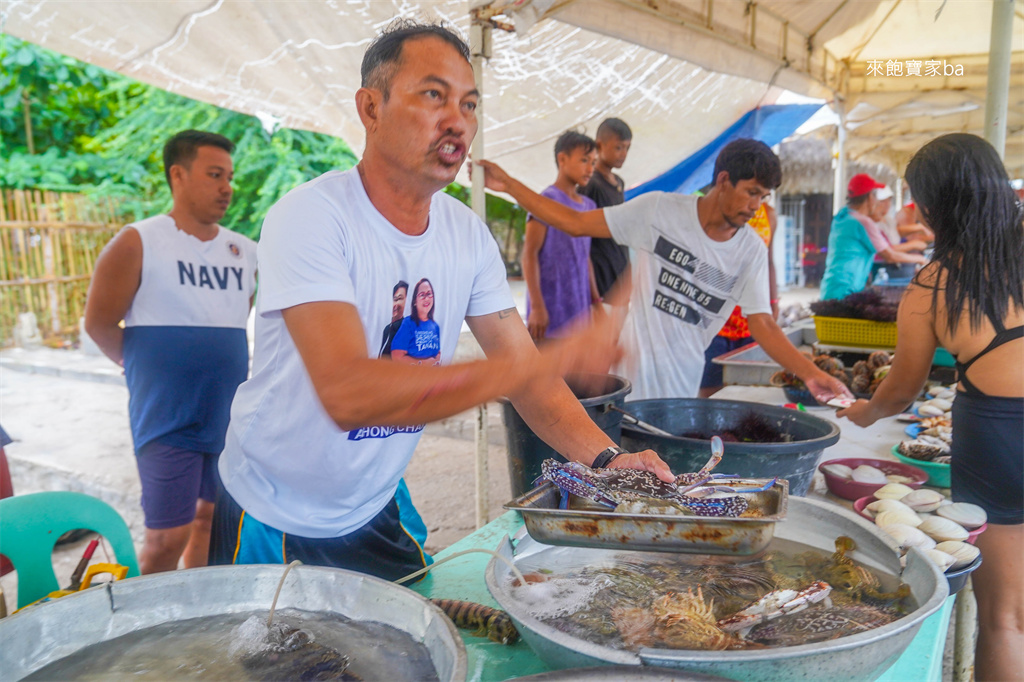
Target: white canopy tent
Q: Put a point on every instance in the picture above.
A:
(679, 71)
(904, 71)
(298, 62)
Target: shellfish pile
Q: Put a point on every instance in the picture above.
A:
(928, 520)
(863, 379)
(933, 442)
(865, 473)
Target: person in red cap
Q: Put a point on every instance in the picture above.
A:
(855, 239)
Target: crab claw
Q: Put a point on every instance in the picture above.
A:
(689, 481)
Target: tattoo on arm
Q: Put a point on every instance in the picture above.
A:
(502, 314)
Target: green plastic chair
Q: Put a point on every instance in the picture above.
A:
(31, 524)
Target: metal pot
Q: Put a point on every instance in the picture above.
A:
(863, 656)
(43, 634)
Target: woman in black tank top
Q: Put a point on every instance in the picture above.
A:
(972, 295)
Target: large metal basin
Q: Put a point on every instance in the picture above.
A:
(858, 657)
(40, 635)
(794, 461)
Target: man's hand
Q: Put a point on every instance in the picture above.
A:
(537, 322)
(589, 349)
(825, 387)
(495, 178)
(647, 460)
(860, 413)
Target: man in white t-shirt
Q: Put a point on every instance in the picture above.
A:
(321, 434)
(695, 261)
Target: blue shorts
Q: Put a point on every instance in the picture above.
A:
(382, 547)
(173, 480)
(713, 373)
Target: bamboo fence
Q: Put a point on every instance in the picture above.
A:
(49, 243)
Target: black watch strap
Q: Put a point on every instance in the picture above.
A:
(606, 457)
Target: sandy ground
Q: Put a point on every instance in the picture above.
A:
(72, 434)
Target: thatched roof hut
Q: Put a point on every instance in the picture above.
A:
(807, 164)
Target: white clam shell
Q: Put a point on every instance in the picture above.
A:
(868, 474)
(941, 559)
(968, 515)
(963, 553)
(887, 518)
(893, 491)
(898, 478)
(923, 500)
(943, 392)
(908, 536)
(941, 529)
(840, 470)
(927, 410)
(879, 506)
(941, 403)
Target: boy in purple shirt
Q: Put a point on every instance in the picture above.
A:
(559, 277)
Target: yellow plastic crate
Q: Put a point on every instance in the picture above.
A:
(844, 331)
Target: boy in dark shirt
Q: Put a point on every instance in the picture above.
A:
(610, 260)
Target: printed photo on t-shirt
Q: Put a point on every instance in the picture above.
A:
(418, 338)
(398, 296)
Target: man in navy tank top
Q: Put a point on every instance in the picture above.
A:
(183, 285)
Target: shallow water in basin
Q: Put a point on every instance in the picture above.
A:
(631, 600)
(236, 647)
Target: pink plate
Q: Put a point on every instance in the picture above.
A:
(852, 490)
(863, 502)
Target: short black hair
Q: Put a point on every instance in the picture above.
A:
(616, 127)
(402, 284)
(381, 60)
(181, 149)
(570, 141)
(746, 158)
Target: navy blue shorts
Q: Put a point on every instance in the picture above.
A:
(382, 547)
(173, 480)
(713, 373)
(988, 455)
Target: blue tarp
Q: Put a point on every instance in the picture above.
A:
(770, 124)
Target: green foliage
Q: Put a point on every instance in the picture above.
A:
(101, 133)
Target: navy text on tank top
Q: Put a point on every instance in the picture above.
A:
(185, 346)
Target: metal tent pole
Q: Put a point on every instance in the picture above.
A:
(998, 88)
(480, 49)
(839, 192)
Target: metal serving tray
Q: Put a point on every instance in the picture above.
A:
(750, 365)
(585, 524)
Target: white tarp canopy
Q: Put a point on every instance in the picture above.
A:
(679, 71)
(865, 52)
(299, 61)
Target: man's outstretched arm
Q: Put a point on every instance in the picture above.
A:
(547, 405)
(570, 221)
(766, 332)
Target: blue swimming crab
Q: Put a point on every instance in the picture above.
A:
(635, 491)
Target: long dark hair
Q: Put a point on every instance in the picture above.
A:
(416, 295)
(964, 195)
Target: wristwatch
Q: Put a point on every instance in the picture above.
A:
(606, 457)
